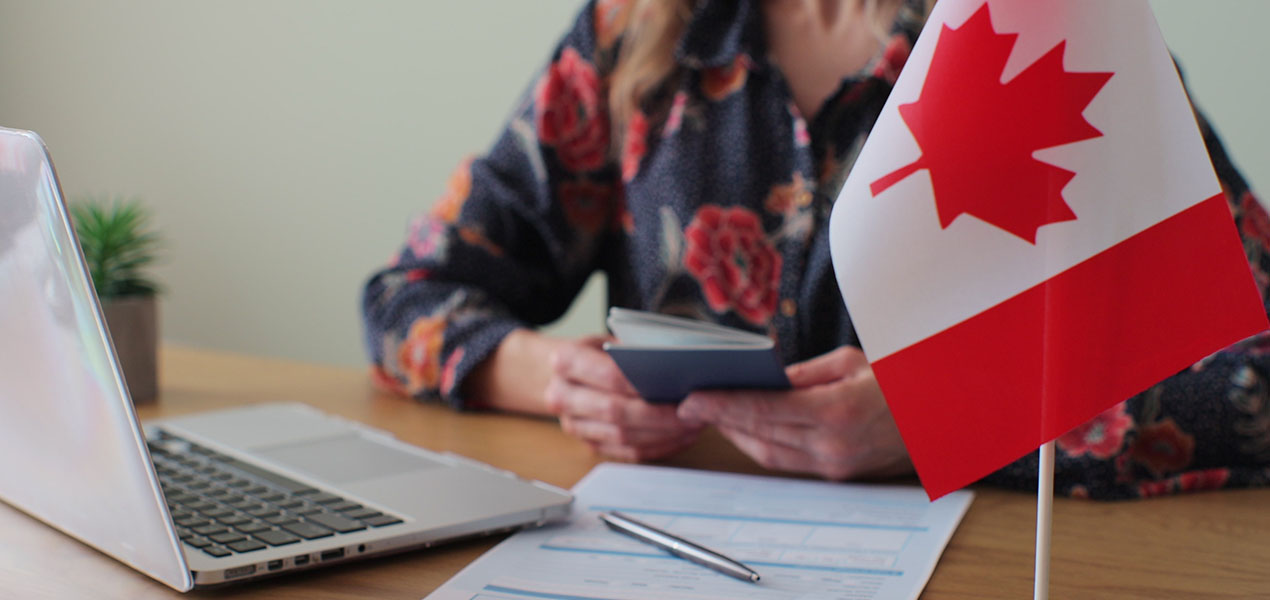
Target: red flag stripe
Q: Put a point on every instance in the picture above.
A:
(1092, 335)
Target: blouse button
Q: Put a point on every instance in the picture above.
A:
(788, 307)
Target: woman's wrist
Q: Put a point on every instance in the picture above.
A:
(514, 376)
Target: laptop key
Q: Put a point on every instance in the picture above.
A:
(362, 513)
(197, 449)
(209, 529)
(246, 545)
(217, 551)
(282, 519)
(179, 497)
(264, 511)
(226, 537)
(276, 537)
(323, 498)
(245, 505)
(381, 521)
(198, 542)
(191, 522)
(200, 506)
(336, 522)
(218, 512)
(253, 527)
(234, 520)
(342, 506)
(307, 531)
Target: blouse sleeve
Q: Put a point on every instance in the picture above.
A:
(512, 239)
(1207, 427)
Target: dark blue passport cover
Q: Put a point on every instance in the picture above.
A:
(665, 375)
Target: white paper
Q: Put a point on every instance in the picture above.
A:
(808, 539)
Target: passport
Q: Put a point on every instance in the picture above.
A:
(667, 357)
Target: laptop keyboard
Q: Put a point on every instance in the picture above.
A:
(222, 505)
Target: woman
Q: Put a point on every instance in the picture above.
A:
(692, 151)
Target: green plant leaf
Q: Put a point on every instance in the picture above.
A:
(118, 244)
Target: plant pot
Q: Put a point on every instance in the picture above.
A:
(134, 329)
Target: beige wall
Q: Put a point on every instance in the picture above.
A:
(284, 144)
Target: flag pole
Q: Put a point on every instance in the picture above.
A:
(1044, 520)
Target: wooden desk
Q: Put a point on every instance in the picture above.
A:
(1213, 545)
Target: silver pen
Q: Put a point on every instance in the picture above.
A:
(678, 546)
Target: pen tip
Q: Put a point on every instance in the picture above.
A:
(753, 577)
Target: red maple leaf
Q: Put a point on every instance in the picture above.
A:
(977, 134)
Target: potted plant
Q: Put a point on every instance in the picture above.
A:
(118, 246)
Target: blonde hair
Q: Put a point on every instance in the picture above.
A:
(646, 60)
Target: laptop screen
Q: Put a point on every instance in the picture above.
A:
(74, 454)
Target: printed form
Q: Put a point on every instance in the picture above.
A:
(808, 539)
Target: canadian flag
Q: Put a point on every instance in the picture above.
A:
(1033, 231)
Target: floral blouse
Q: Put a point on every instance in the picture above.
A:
(716, 206)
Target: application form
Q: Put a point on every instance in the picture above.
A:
(808, 539)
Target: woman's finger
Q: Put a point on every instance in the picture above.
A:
(569, 398)
(587, 364)
(748, 409)
(770, 455)
(827, 367)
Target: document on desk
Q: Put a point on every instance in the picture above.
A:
(808, 539)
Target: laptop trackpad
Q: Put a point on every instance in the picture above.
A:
(345, 459)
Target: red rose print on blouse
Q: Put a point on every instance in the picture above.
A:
(1208, 479)
(731, 258)
(1151, 489)
(448, 373)
(893, 58)
(623, 220)
(569, 113)
(1101, 437)
(1255, 223)
(426, 237)
(586, 205)
(634, 144)
(1162, 447)
(719, 82)
(420, 354)
(675, 118)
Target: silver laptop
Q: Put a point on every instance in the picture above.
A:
(207, 499)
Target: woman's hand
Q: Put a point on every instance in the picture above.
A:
(834, 422)
(596, 403)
